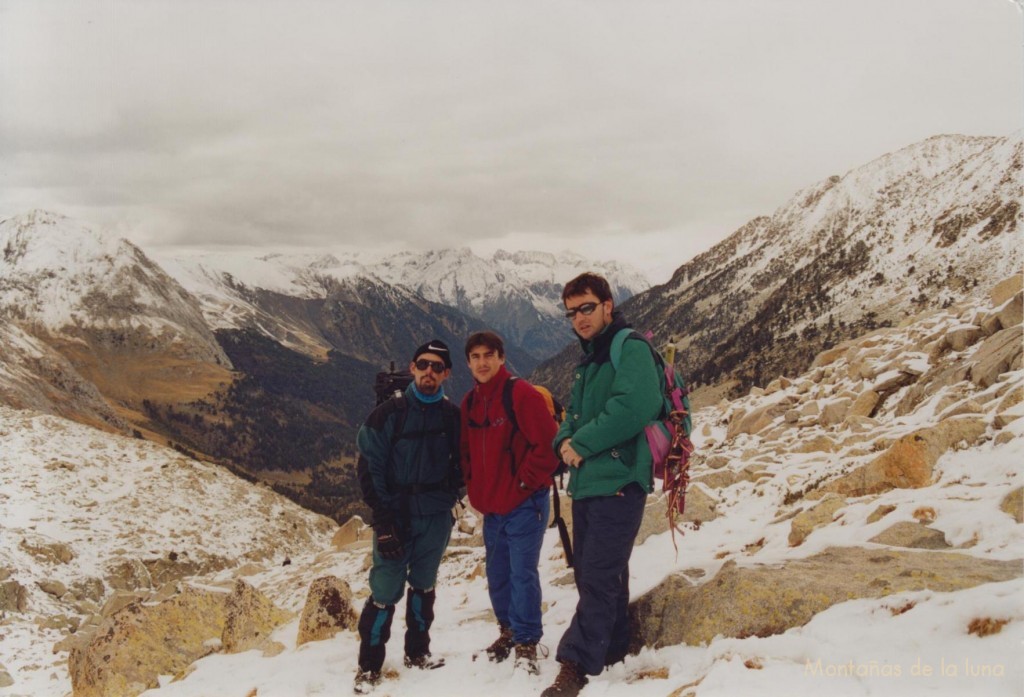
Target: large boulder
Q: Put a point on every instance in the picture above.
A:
(764, 600)
(909, 462)
(996, 355)
(808, 521)
(13, 597)
(353, 530)
(249, 618)
(131, 648)
(328, 610)
(756, 420)
(911, 535)
(700, 508)
(1013, 504)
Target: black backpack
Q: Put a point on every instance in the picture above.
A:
(391, 383)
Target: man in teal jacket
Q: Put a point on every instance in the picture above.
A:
(409, 475)
(602, 441)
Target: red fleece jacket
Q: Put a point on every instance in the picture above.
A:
(495, 456)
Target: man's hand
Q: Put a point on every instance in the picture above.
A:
(389, 544)
(570, 456)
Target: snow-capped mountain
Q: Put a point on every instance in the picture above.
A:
(914, 229)
(517, 294)
(67, 280)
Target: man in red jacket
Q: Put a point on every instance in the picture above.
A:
(507, 463)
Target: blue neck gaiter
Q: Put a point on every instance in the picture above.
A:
(428, 399)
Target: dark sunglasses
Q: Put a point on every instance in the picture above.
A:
(436, 366)
(584, 309)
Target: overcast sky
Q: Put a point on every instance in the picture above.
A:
(602, 127)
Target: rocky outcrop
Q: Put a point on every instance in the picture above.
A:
(328, 610)
(765, 600)
(909, 462)
(249, 618)
(139, 643)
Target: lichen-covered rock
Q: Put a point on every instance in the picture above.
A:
(328, 610)
(140, 642)
(249, 618)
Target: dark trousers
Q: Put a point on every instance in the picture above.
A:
(424, 544)
(604, 530)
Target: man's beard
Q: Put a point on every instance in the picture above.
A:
(428, 388)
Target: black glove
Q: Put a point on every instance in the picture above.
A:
(389, 544)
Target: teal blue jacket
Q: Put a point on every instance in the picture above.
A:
(607, 412)
(409, 458)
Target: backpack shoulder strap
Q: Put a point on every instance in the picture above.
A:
(400, 407)
(506, 401)
(617, 341)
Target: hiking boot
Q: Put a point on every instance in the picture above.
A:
(526, 658)
(423, 661)
(568, 683)
(502, 646)
(366, 680)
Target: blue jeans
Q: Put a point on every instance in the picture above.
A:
(604, 530)
(513, 542)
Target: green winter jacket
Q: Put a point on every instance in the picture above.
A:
(607, 412)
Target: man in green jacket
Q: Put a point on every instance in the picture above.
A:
(602, 441)
(409, 476)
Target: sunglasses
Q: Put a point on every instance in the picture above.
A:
(436, 366)
(585, 309)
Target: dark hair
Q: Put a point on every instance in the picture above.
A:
(587, 281)
(488, 339)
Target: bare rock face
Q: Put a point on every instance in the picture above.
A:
(765, 600)
(250, 617)
(328, 610)
(139, 643)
